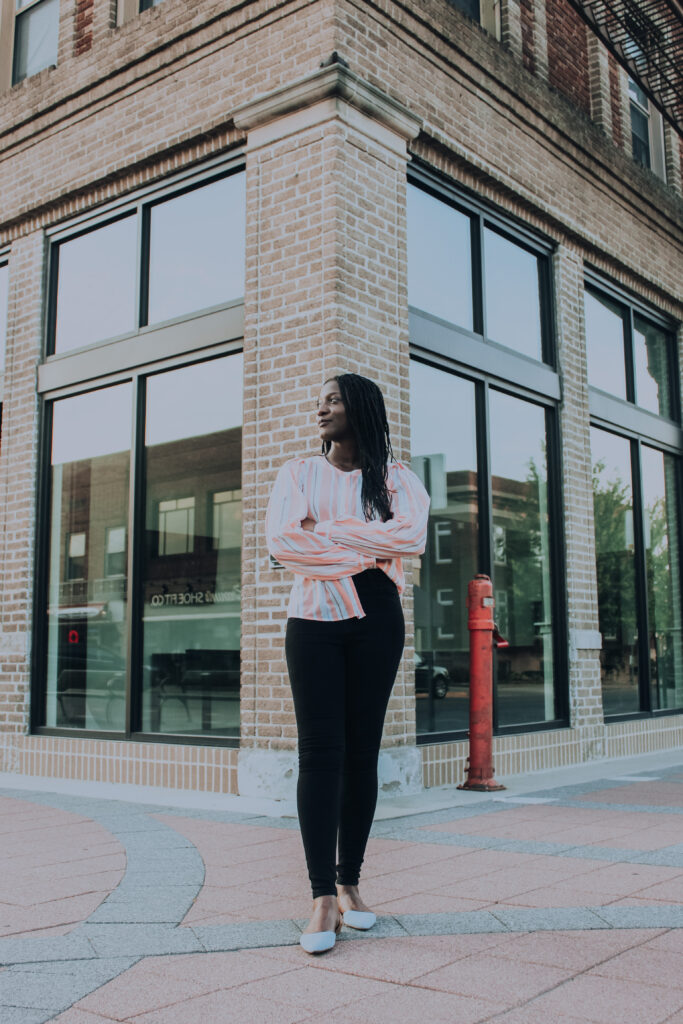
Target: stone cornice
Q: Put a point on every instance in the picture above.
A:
(335, 81)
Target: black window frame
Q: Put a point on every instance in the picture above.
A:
(17, 15)
(625, 419)
(139, 207)
(134, 357)
(470, 355)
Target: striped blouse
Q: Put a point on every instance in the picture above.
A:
(343, 542)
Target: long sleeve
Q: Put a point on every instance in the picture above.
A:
(404, 535)
(303, 551)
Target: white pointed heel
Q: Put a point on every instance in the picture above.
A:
(319, 942)
(359, 919)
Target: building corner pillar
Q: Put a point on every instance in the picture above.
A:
(326, 292)
(585, 688)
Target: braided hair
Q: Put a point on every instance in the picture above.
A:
(367, 417)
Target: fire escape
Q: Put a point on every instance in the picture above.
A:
(646, 38)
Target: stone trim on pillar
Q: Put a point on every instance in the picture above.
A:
(585, 690)
(326, 290)
(272, 117)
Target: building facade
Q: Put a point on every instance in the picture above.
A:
(208, 209)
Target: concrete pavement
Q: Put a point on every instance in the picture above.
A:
(557, 900)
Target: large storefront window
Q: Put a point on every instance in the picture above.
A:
(637, 502)
(510, 503)
(160, 261)
(157, 652)
(86, 609)
(193, 539)
(483, 442)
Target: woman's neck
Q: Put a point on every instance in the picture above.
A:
(343, 455)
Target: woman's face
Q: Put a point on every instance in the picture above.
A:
(331, 414)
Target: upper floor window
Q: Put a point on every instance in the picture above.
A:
(486, 12)
(36, 33)
(146, 4)
(161, 260)
(629, 356)
(647, 137)
(465, 269)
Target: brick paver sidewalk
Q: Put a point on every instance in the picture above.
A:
(560, 905)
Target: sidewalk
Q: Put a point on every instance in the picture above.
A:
(558, 901)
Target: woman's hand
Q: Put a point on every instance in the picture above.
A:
(308, 524)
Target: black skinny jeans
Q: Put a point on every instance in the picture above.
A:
(341, 675)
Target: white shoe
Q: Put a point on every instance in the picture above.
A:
(360, 919)
(319, 942)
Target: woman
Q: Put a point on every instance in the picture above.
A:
(341, 521)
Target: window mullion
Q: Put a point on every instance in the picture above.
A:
(629, 356)
(135, 530)
(642, 626)
(478, 277)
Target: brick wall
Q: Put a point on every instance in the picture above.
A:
(567, 53)
(83, 28)
(18, 477)
(618, 126)
(528, 43)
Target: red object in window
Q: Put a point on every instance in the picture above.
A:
(74, 638)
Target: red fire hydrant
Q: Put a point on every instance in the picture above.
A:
(482, 629)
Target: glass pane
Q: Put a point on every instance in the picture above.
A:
(146, 4)
(4, 287)
(193, 543)
(96, 285)
(605, 345)
(86, 661)
(197, 249)
(522, 578)
(640, 136)
(35, 39)
(513, 305)
(444, 457)
(439, 259)
(651, 354)
(613, 506)
(661, 521)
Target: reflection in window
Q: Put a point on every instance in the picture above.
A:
(36, 33)
(444, 457)
(115, 551)
(605, 345)
(191, 602)
(146, 4)
(614, 543)
(75, 557)
(4, 289)
(176, 526)
(652, 368)
(87, 635)
(439, 259)
(519, 483)
(661, 514)
(227, 519)
(197, 249)
(513, 306)
(96, 285)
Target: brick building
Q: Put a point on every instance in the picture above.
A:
(206, 209)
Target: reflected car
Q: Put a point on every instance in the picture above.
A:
(430, 678)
